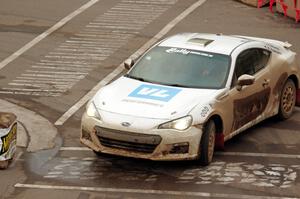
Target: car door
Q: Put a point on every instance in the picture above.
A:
(249, 103)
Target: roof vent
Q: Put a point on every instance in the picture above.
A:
(200, 41)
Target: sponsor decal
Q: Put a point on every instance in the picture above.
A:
(273, 48)
(8, 139)
(249, 108)
(186, 52)
(142, 102)
(159, 93)
(126, 124)
(205, 110)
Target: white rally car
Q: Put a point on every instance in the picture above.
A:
(189, 93)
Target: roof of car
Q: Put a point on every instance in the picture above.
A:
(216, 43)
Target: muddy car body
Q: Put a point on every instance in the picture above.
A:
(189, 94)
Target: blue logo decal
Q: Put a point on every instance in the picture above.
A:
(159, 93)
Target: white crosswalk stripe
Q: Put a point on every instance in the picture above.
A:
(59, 70)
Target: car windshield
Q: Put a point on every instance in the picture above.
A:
(182, 68)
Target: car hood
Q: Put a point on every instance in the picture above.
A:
(141, 99)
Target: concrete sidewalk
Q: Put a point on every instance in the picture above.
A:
(34, 131)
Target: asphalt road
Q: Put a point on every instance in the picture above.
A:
(263, 162)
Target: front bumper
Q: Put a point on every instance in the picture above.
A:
(154, 144)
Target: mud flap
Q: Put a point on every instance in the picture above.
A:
(298, 97)
(219, 142)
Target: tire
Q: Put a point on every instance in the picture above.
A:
(287, 100)
(207, 143)
(98, 153)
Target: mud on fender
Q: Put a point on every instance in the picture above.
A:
(298, 97)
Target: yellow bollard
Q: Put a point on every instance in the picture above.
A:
(8, 138)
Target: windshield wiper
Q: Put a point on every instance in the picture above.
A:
(144, 80)
(133, 77)
(177, 85)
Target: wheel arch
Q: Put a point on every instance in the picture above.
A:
(219, 142)
(295, 79)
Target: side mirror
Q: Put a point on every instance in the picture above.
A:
(128, 63)
(245, 80)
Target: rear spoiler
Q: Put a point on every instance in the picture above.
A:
(285, 44)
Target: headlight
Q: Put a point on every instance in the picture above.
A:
(178, 124)
(91, 110)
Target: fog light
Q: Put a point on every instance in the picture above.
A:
(180, 148)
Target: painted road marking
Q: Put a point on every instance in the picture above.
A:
(269, 155)
(149, 191)
(46, 33)
(75, 149)
(119, 69)
(85, 50)
(245, 154)
(270, 176)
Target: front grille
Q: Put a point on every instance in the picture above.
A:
(135, 142)
(130, 146)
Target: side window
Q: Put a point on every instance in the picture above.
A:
(245, 63)
(250, 62)
(262, 59)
